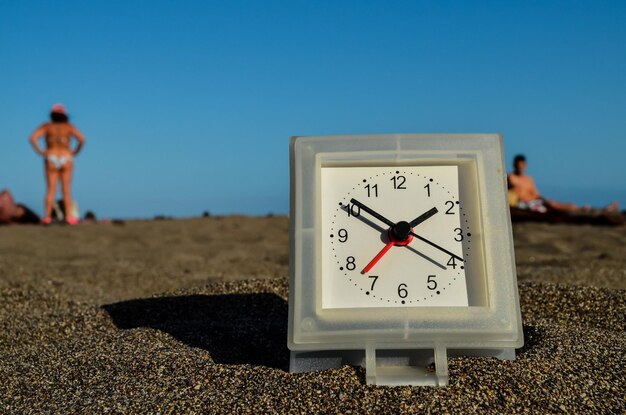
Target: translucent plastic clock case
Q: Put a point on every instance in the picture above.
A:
(362, 292)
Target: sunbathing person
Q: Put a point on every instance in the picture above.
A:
(11, 212)
(528, 197)
(58, 156)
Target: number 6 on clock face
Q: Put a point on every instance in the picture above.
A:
(393, 237)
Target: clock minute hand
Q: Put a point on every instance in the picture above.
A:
(421, 218)
(436, 246)
(373, 213)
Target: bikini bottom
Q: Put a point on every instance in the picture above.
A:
(59, 161)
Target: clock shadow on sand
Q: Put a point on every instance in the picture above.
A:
(233, 328)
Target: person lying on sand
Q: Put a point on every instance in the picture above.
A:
(526, 195)
(11, 212)
(58, 156)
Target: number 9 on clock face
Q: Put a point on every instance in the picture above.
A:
(393, 237)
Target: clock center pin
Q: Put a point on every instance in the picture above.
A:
(400, 233)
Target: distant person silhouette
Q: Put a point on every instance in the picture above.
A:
(11, 212)
(58, 157)
(528, 197)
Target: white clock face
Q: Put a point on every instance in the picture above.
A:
(393, 237)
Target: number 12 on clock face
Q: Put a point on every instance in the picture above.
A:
(395, 236)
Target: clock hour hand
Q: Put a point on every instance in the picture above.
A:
(373, 213)
(436, 246)
(421, 218)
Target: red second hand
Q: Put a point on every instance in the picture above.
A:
(378, 257)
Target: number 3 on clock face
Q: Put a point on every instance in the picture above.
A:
(393, 237)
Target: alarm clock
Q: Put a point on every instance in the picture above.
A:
(401, 255)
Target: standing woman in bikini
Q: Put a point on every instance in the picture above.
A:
(59, 158)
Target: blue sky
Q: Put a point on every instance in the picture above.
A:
(188, 106)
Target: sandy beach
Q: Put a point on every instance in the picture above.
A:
(178, 316)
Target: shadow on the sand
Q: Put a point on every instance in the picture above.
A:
(532, 339)
(233, 328)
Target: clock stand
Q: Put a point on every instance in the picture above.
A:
(388, 367)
